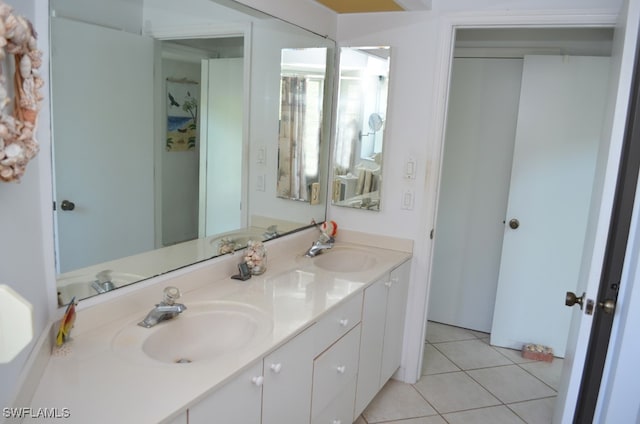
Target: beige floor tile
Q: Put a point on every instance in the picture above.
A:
(472, 354)
(435, 419)
(454, 391)
(492, 415)
(511, 383)
(538, 411)
(397, 401)
(479, 334)
(549, 372)
(437, 333)
(435, 362)
(513, 354)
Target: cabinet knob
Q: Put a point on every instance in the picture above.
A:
(388, 283)
(341, 369)
(276, 367)
(258, 380)
(336, 422)
(344, 322)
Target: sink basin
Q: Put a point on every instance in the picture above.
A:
(205, 331)
(345, 259)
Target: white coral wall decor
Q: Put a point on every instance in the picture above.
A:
(18, 121)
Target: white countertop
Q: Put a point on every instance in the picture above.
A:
(99, 384)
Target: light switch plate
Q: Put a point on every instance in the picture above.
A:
(410, 169)
(260, 182)
(262, 155)
(407, 200)
(315, 193)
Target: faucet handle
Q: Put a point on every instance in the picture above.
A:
(171, 294)
(104, 276)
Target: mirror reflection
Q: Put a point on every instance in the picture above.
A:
(362, 106)
(301, 102)
(154, 168)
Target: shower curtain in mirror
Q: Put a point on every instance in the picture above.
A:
(292, 181)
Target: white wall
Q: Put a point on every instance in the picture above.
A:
(27, 260)
(412, 127)
(26, 250)
(268, 39)
(178, 170)
(308, 14)
(116, 14)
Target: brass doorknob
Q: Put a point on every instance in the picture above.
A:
(571, 299)
(514, 224)
(608, 306)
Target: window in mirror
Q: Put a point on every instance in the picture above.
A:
(301, 99)
(362, 107)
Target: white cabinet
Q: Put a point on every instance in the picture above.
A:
(334, 381)
(371, 343)
(383, 317)
(237, 402)
(288, 373)
(398, 286)
(333, 367)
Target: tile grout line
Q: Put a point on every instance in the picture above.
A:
(512, 362)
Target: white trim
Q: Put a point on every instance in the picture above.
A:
(246, 123)
(417, 307)
(203, 126)
(198, 31)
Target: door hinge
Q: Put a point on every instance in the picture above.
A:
(431, 234)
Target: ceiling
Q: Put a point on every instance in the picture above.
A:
(366, 6)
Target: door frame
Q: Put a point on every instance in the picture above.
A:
(191, 32)
(449, 24)
(615, 260)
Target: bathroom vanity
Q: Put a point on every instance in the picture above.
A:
(311, 340)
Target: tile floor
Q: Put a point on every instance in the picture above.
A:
(467, 381)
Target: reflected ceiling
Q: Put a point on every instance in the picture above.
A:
(367, 6)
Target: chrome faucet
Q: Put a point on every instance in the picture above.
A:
(165, 310)
(272, 232)
(323, 243)
(103, 283)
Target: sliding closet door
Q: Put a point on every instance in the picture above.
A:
(481, 127)
(558, 134)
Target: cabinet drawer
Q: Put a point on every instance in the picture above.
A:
(340, 409)
(337, 322)
(334, 370)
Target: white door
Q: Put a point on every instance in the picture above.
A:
(562, 103)
(113, 197)
(476, 168)
(621, 73)
(221, 124)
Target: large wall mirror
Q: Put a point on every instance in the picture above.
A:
(166, 135)
(360, 123)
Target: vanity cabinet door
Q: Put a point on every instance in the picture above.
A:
(334, 375)
(237, 402)
(371, 342)
(288, 374)
(398, 289)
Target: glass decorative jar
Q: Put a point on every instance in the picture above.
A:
(256, 257)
